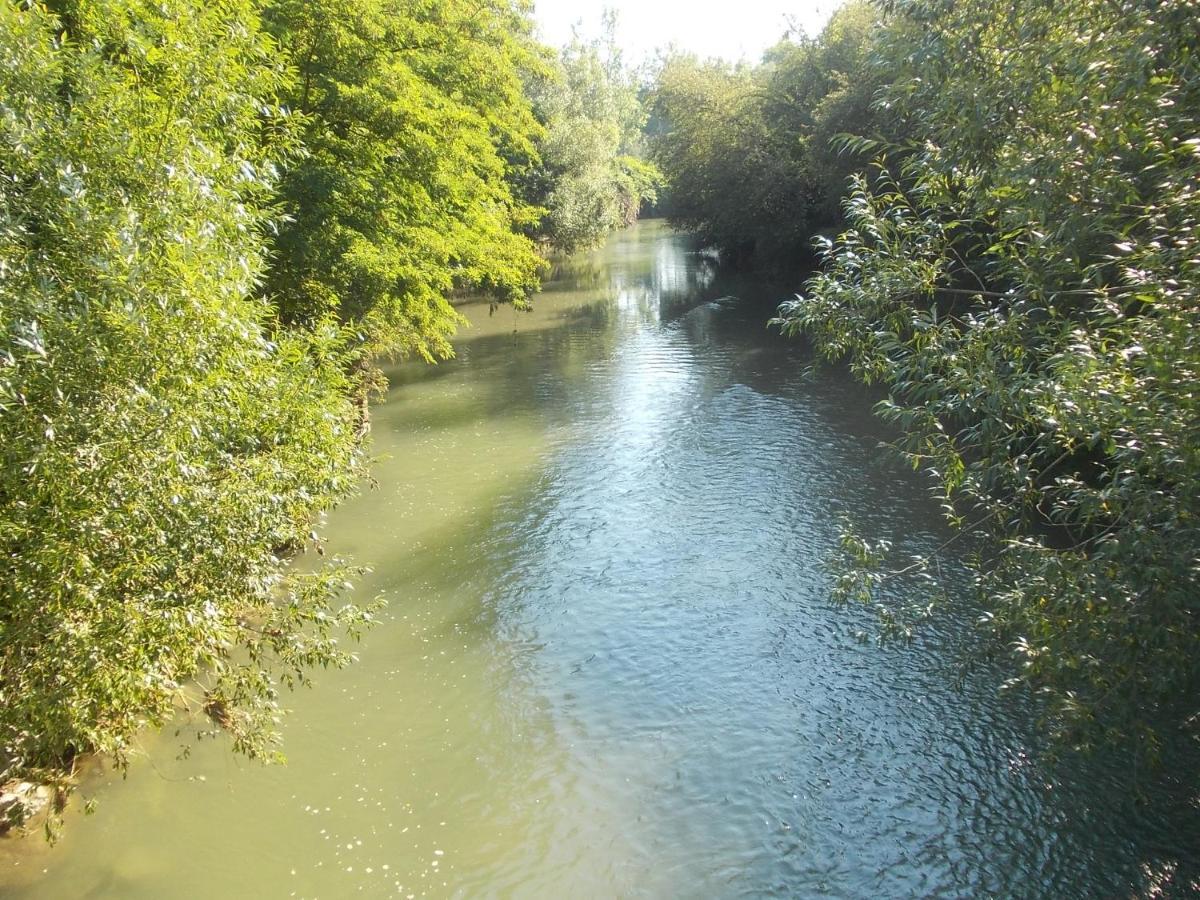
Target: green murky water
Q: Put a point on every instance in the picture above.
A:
(608, 667)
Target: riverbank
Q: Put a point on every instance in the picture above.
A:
(609, 664)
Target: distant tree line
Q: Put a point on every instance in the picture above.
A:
(213, 217)
(751, 154)
(594, 177)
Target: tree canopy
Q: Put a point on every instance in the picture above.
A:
(593, 178)
(162, 438)
(415, 126)
(1022, 278)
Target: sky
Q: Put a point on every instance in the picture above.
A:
(733, 29)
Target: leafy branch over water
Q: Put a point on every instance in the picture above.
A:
(1023, 281)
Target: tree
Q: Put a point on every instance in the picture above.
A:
(163, 439)
(592, 179)
(416, 127)
(1024, 283)
(749, 152)
(710, 142)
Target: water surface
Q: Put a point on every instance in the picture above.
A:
(609, 667)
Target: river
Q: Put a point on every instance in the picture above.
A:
(609, 666)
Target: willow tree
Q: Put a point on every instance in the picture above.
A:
(416, 127)
(1025, 282)
(161, 438)
(593, 178)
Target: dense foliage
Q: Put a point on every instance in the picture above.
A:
(211, 217)
(1025, 281)
(748, 152)
(416, 124)
(161, 439)
(593, 178)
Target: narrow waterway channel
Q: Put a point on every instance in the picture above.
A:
(609, 666)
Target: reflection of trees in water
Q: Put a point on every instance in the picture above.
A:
(683, 286)
(527, 373)
(661, 270)
(584, 271)
(643, 275)
(597, 314)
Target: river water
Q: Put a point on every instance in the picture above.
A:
(609, 667)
